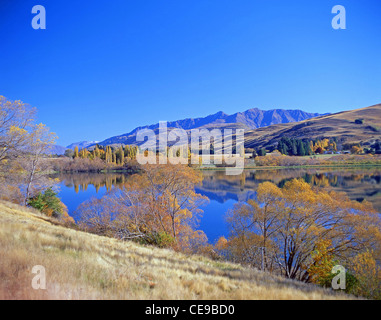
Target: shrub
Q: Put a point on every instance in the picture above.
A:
(48, 203)
(351, 282)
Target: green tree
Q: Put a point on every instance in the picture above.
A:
(308, 148)
(301, 150)
(262, 152)
(69, 153)
(48, 203)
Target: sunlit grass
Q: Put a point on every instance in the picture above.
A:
(85, 266)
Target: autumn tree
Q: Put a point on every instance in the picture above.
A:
(22, 146)
(16, 119)
(108, 156)
(120, 155)
(357, 149)
(96, 152)
(172, 194)
(96, 216)
(283, 227)
(130, 151)
(76, 152)
(40, 143)
(323, 260)
(262, 216)
(83, 153)
(158, 206)
(368, 274)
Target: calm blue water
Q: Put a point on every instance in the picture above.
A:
(212, 221)
(223, 192)
(72, 199)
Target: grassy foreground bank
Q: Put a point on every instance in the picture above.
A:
(85, 266)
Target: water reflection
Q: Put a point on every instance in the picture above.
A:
(81, 181)
(359, 184)
(224, 191)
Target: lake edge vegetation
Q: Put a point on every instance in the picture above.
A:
(81, 265)
(161, 207)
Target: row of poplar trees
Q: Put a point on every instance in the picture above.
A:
(108, 153)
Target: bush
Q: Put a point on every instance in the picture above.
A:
(48, 203)
(350, 282)
(160, 239)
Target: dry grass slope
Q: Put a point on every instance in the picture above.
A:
(85, 266)
(341, 125)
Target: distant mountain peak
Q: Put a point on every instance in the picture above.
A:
(81, 144)
(250, 119)
(220, 114)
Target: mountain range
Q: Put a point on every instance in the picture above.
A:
(266, 128)
(81, 144)
(250, 119)
(60, 150)
(353, 126)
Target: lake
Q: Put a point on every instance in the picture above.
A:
(224, 191)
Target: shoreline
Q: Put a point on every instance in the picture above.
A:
(294, 167)
(129, 171)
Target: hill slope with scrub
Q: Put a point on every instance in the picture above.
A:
(355, 126)
(86, 266)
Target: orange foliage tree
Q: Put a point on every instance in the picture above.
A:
(158, 206)
(368, 273)
(297, 229)
(323, 261)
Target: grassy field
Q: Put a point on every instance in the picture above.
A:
(85, 266)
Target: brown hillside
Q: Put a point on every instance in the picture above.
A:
(86, 266)
(341, 125)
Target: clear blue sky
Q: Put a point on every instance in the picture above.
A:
(101, 68)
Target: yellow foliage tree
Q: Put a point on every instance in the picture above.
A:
(293, 227)
(368, 274)
(323, 262)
